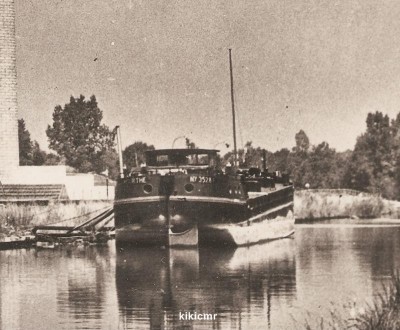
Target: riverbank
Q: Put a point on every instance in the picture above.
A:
(19, 219)
(320, 204)
(309, 205)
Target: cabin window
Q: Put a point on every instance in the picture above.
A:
(181, 157)
(162, 160)
(198, 160)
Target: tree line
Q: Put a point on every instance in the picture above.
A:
(79, 139)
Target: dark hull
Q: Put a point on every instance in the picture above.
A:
(146, 220)
(141, 221)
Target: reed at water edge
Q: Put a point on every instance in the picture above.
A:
(342, 203)
(19, 219)
(382, 314)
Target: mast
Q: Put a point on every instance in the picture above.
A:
(233, 109)
(121, 164)
(264, 160)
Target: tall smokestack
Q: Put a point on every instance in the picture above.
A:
(9, 154)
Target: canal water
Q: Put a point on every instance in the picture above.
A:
(278, 285)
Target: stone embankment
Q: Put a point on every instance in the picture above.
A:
(318, 204)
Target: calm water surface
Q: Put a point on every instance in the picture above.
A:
(269, 286)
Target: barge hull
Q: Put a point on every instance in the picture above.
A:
(214, 228)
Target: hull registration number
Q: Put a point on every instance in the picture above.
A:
(201, 179)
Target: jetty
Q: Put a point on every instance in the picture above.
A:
(98, 229)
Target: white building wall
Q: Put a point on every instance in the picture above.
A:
(79, 186)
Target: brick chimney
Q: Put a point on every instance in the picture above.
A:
(9, 153)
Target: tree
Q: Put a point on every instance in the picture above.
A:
(53, 159)
(302, 142)
(278, 161)
(252, 156)
(297, 166)
(29, 151)
(134, 154)
(372, 166)
(342, 160)
(320, 167)
(78, 136)
(25, 144)
(107, 159)
(39, 156)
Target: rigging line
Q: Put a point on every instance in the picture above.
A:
(79, 216)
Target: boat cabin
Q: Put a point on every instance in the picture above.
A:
(181, 158)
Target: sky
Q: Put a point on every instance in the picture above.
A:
(160, 68)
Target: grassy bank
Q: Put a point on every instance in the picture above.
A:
(341, 203)
(20, 219)
(382, 314)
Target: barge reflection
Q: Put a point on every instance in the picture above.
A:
(244, 286)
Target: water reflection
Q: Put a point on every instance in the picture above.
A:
(240, 285)
(261, 287)
(339, 265)
(82, 296)
(66, 288)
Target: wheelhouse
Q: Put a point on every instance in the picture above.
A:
(181, 158)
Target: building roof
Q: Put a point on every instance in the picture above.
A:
(32, 192)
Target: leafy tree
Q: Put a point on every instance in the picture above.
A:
(395, 126)
(297, 166)
(78, 136)
(278, 161)
(53, 159)
(25, 144)
(134, 154)
(107, 159)
(315, 165)
(247, 156)
(373, 165)
(342, 160)
(302, 142)
(29, 151)
(320, 167)
(39, 156)
(252, 156)
(228, 157)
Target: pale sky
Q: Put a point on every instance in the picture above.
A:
(162, 70)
